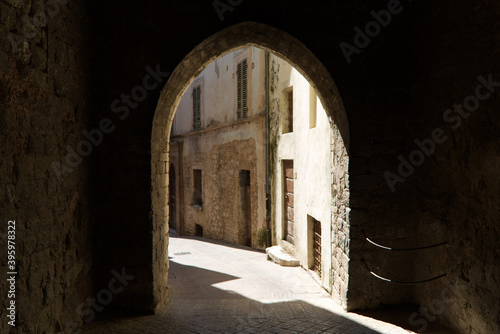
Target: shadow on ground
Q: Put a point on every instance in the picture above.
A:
(173, 234)
(197, 306)
(400, 315)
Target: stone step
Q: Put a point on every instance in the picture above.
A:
(278, 255)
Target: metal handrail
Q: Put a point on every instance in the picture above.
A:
(400, 282)
(403, 249)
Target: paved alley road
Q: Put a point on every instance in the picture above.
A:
(217, 288)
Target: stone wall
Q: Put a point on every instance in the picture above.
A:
(45, 104)
(340, 218)
(451, 196)
(461, 182)
(220, 154)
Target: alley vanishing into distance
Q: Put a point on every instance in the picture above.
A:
(221, 288)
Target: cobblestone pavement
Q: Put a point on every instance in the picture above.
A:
(217, 288)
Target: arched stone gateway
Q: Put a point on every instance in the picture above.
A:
(297, 54)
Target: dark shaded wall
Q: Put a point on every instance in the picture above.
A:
(453, 195)
(133, 35)
(395, 91)
(460, 182)
(44, 105)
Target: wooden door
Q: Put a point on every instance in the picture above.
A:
(317, 247)
(289, 234)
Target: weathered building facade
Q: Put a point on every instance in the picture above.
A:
(218, 154)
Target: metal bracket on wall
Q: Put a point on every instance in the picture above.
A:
(401, 250)
(400, 282)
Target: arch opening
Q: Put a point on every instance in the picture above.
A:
(291, 50)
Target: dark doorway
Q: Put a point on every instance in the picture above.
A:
(198, 192)
(246, 207)
(198, 230)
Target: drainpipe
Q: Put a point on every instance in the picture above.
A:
(268, 192)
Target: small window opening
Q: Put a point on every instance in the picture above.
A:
(198, 230)
(287, 123)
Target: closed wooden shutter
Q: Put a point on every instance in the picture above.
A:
(241, 73)
(197, 108)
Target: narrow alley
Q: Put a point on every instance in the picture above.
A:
(221, 288)
(360, 139)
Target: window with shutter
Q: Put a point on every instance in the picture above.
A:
(241, 73)
(197, 108)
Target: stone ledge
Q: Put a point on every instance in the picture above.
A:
(278, 255)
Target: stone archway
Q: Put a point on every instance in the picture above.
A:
(172, 198)
(297, 54)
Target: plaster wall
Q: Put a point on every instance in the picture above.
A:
(308, 146)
